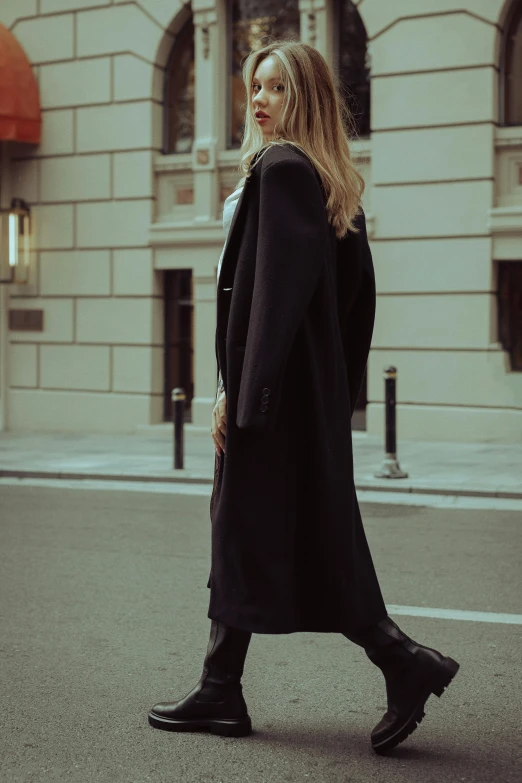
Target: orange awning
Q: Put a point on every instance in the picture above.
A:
(20, 115)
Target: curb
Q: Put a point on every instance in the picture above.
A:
(428, 490)
(59, 474)
(180, 478)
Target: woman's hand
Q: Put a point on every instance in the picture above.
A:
(219, 422)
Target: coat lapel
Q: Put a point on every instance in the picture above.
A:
(224, 277)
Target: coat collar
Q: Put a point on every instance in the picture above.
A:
(224, 280)
(235, 217)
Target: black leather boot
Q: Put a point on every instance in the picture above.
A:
(216, 703)
(412, 673)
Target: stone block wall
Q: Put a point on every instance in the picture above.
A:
(102, 205)
(434, 116)
(98, 363)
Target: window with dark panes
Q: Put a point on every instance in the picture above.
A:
(179, 93)
(509, 295)
(352, 63)
(512, 67)
(250, 21)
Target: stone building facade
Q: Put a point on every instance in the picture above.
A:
(139, 150)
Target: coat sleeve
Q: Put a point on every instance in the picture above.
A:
(356, 303)
(292, 245)
(361, 319)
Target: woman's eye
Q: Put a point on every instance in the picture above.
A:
(275, 85)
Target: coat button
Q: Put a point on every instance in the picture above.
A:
(266, 391)
(264, 407)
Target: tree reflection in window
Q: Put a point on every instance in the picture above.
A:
(179, 93)
(512, 67)
(352, 60)
(251, 22)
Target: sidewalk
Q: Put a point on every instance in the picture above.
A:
(477, 469)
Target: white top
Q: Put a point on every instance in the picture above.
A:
(229, 208)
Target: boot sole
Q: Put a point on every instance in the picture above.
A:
(444, 676)
(223, 727)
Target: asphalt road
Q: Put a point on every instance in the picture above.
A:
(103, 605)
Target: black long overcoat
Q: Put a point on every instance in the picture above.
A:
(295, 316)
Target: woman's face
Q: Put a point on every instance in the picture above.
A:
(267, 94)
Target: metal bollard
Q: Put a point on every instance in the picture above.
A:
(390, 467)
(178, 418)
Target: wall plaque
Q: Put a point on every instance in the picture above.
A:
(26, 320)
(185, 196)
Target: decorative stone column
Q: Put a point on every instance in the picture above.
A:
(207, 103)
(315, 25)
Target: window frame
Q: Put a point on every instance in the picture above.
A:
(189, 20)
(336, 11)
(514, 18)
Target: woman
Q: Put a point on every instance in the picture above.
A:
(295, 315)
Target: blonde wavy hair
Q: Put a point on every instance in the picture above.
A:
(314, 118)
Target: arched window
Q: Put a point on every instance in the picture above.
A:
(352, 59)
(179, 93)
(511, 72)
(250, 21)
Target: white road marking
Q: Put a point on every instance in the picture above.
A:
(456, 614)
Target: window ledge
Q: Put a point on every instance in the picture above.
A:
(508, 136)
(189, 232)
(206, 233)
(505, 220)
(360, 149)
(175, 162)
